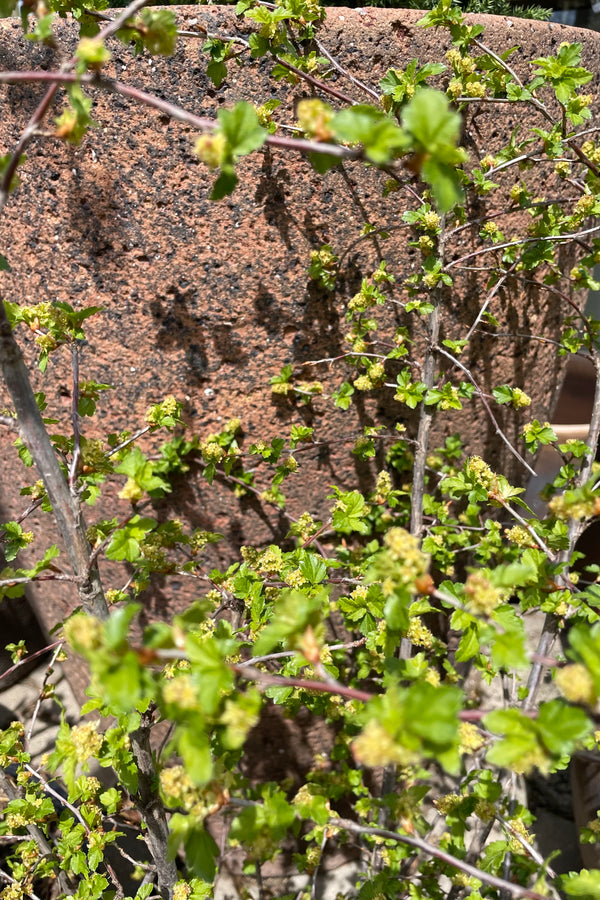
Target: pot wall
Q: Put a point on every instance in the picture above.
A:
(208, 301)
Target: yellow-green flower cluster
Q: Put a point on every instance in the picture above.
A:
(182, 890)
(519, 536)
(419, 634)
(594, 826)
(564, 508)
(482, 597)
(271, 560)
(362, 301)
(309, 387)
(471, 739)
(19, 820)
(94, 457)
(282, 387)
(485, 810)
(431, 221)
(426, 244)
(211, 451)
(169, 407)
(250, 555)
(373, 378)
(404, 550)
(591, 151)
(176, 784)
(86, 740)
(83, 632)
(313, 117)
(449, 400)
(490, 229)
(211, 148)
(488, 162)
(475, 89)
(462, 65)
(383, 488)
(455, 89)
(576, 684)
(295, 578)
(181, 692)
(584, 206)
(563, 168)
(519, 398)
(514, 844)
(448, 803)
(375, 746)
(481, 473)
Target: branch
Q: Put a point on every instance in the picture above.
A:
(46, 101)
(515, 890)
(252, 674)
(66, 508)
(151, 808)
(173, 110)
(532, 240)
(10, 790)
(426, 416)
(483, 399)
(29, 658)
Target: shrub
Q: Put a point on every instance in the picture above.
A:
(433, 572)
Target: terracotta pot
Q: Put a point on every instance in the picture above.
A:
(208, 301)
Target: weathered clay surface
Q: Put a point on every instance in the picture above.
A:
(208, 301)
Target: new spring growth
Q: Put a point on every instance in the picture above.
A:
(576, 684)
(314, 117)
(211, 148)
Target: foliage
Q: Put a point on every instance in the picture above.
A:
(441, 538)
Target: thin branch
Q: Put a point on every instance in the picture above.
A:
(515, 890)
(252, 674)
(493, 419)
(74, 466)
(60, 798)
(364, 87)
(36, 710)
(426, 414)
(12, 880)
(286, 654)
(44, 105)
(67, 510)
(174, 111)
(29, 658)
(67, 883)
(316, 82)
(151, 807)
(529, 848)
(532, 240)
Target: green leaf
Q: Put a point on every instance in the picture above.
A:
(323, 162)
(349, 513)
(435, 128)
(194, 748)
(293, 613)
(242, 129)
(313, 568)
(367, 125)
(342, 397)
(562, 727)
(584, 884)
(125, 542)
(224, 185)
(201, 853)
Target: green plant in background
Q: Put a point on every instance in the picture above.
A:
(443, 819)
